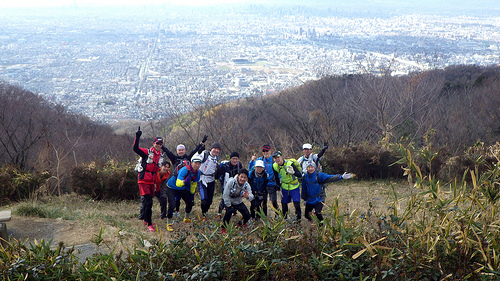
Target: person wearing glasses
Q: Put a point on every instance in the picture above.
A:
(151, 160)
(287, 173)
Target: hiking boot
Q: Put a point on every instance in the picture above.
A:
(151, 228)
(223, 230)
(203, 219)
(145, 223)
(169, 227)
(219, 216)
(187, 220)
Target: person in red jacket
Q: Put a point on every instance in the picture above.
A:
(146, 179)
(160, 192)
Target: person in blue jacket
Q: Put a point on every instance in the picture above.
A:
(258, 182)
(183, 185)
(313, 192)
(272, 187)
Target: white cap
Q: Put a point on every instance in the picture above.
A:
(197, 158)
(307, 146)
(259, 163)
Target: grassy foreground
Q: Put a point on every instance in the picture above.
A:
(372, 231)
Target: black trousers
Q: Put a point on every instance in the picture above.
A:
(184, 194)
(162, 199)
(207, 196)
(318, 207)
(257, 204)
(238, 207)
(146, 211)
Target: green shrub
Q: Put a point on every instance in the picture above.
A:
(31, 211)
(366, 161)
(37, 261)
(105, 181)
(16, 184)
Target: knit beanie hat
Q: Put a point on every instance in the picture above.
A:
(311, 163)
(216, 145)
(234, 154)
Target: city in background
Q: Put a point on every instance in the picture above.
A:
(148, 63)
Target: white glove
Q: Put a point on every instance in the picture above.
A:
(346, 176)
(289, 169)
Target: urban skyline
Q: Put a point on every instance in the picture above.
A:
(152, 63)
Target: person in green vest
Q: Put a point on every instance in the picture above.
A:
(287, 172)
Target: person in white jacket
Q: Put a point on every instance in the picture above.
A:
(235, 190)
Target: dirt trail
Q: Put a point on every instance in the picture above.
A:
(54, 231)
(29, 228)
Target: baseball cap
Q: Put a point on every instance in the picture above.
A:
(307, 146)
(159, 140)
(266, 147)
(276, 153)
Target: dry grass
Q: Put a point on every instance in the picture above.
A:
(364, 196)
(116, 223)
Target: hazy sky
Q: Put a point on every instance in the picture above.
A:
(60, 3)
(407, 4)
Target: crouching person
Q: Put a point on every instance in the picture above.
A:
(234, 191)
(313, 191)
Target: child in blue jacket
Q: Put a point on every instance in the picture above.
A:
(312, 189)
(258, 181)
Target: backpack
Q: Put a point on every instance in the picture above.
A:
(141, 163)
(314, 158)
(294, 161)
(139, 167)
(322, 193)
(179, 166)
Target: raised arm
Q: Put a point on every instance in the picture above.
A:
(325, 147)
(136, 147)
(170, 154)
(199, 147)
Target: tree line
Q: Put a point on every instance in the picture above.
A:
(36, 135)
(452, 108)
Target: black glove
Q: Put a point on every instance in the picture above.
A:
(205, 137)
(325, 145)
(138, 134)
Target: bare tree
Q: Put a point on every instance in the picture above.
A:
(23, 123)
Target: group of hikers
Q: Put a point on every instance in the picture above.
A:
(267, 176)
